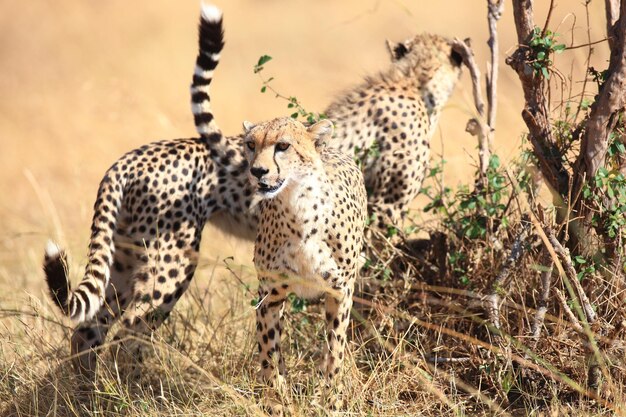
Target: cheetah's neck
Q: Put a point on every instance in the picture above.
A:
(308, 197)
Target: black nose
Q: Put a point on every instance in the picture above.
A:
(258, 172)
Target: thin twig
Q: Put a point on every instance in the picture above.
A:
(494, 12)
(476, 126)
(501, 282)
(568, 311)
(612, 9)
(542, 304)
(566, 261)
(545, 25)
(586, 44)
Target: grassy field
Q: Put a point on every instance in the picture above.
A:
(83, 82)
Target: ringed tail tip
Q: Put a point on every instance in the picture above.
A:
(211, 13)
(52, 250)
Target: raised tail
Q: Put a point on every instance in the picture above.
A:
(211, 42)
(87, 298)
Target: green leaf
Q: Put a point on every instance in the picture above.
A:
(545, 73)
(559, 48)
(294, 115)
(541, 55)
(494, 161)
(263, 89)
(386, 274)
(264, 59)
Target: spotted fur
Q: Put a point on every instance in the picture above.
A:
(396, 112)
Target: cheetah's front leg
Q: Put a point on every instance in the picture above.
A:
(269, 315)
(337, 320)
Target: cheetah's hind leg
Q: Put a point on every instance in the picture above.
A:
(158, 285)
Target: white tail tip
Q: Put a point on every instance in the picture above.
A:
(52, 249)
(211, 13)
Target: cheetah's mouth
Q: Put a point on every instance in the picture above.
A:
(270, 191)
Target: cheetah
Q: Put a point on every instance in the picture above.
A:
(312, 216)
(396, 112)
(151, 207)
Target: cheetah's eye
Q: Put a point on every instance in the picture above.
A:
(282, 146)
(251, 145)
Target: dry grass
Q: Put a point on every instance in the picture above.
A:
(83, 82)
(201, 361)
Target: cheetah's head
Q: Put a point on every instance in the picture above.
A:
(432, 60)
(282, 151)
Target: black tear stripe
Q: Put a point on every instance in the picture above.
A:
(276, 163)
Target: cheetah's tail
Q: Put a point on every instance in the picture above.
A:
(55, 268)
(211, 42)
(83, 302)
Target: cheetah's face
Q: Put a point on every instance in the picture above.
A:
(281, 151)
(433, 61)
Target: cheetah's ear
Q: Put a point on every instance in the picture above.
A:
(321, 131)
(396, 50)
(247, 126)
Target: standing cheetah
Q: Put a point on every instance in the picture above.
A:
(151, 207)
(396, 113)
(312, 216)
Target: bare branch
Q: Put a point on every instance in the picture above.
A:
(494, 12)
(542, 304)
(545, 25)
(611, 100)
(536, 113)
(612, 14)
(568, 311)
(566, 261)
(483, 126)
(477, 126)
(524, 20)
(463, 48)
(501, 284)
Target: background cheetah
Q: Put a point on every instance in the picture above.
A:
(396, 112)
(310, 232)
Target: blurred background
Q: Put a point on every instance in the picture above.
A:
(82, 82)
